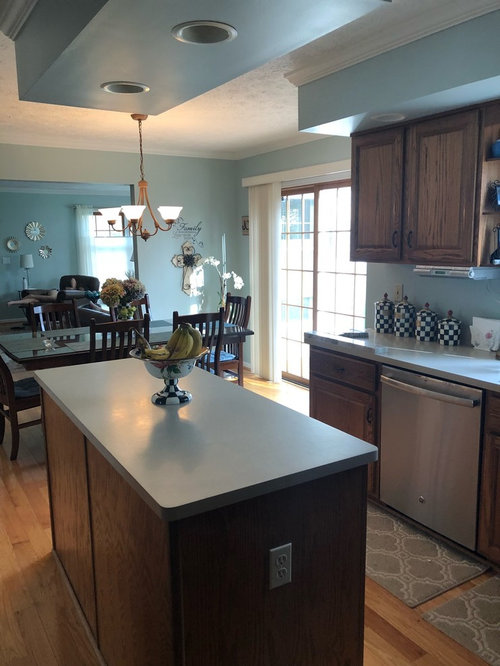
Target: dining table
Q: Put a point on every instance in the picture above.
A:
(71, 346)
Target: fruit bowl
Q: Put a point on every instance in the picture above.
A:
(170, 370)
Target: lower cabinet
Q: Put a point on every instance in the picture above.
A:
(342, 392)
(489, 498)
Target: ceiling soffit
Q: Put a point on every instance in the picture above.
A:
(65, 51)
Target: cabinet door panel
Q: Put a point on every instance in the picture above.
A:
(70, 516)
(345, 408)
(489, 497)
(349, 410)
(440, 181)
(377, 187)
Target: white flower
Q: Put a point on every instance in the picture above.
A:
(238, 281)
(212, 261)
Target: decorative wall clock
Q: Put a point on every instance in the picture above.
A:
(12, 244)
(45, 251)
(34, 231)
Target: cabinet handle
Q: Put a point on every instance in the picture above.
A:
(395, 238)
(340, 371)
(369, 415)
(409, 238)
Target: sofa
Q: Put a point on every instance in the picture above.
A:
(84, 288)
(78, 286)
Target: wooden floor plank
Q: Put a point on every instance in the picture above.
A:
(40, 624)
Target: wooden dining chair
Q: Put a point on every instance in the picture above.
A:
(117, 338)
(16, 396)
(231, 357)
(142, 307)
(54, 316)
(211, 327)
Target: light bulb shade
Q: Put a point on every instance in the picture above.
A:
(26, 261)
(133, 213)
(169, 212)
(110, 214)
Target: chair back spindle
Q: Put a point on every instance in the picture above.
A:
(238, 313)
(54, 316)
(16, 396)
(117, 338)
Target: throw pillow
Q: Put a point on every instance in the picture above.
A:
(72, 283)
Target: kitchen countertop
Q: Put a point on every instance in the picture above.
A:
(466, 365)
(228, 444)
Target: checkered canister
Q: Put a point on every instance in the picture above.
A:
(384, 315)
(426, 325)
(449, 330)
(404, 319)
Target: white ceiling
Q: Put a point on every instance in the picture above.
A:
(252, 113)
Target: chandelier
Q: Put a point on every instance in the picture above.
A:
(132, 215)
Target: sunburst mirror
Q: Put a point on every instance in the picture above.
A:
(45, 251)
(34, 231)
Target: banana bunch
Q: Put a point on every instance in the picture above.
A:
(185, 342)
(156, 353)
(197, 341)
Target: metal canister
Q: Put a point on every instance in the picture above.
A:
(449, 330)
(384, 315)
(404, 319)
(426, 324)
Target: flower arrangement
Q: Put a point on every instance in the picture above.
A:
(223, 278)
(120, 293)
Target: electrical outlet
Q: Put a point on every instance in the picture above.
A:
(280, 565)
(398, 293)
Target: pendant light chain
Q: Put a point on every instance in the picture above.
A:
(141, 167)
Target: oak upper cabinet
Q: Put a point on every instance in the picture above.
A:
(413, 192)
(440, 186)
(377, 192)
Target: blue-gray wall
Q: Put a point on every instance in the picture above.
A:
(208, 190)
(55, 212)
(211, 193)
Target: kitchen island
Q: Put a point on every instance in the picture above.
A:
(163, 519)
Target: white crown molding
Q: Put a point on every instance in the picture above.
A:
(13, 14)
(388, 37)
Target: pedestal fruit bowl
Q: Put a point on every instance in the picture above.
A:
(171, 362)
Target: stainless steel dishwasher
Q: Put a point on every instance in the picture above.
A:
(429, 452)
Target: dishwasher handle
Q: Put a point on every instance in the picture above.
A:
(417, 390)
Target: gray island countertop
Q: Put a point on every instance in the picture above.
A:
(463, 364)
(227, 445)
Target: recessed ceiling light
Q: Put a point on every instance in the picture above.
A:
(204, 32)
(124, 87)
(388, 117)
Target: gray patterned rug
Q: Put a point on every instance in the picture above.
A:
(409, 563)
(473, 620)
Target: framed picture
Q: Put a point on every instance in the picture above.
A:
(244, 225)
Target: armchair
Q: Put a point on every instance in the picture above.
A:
(76, 286)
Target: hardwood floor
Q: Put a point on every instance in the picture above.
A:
(39, 624)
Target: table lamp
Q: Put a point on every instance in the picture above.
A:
(26, 262)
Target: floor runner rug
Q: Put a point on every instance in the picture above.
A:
(412, 565)
(473, 620)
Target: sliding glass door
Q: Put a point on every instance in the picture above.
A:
(322, 289)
